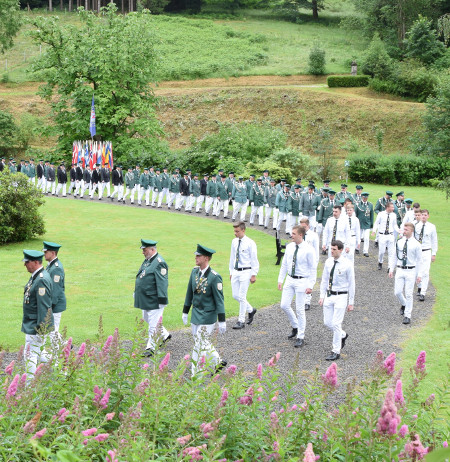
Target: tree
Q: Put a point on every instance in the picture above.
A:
(10, 22)
(111, 57)
(316, 61)
(377, 62)
(293, 7)
(422, 42)
(19, 203)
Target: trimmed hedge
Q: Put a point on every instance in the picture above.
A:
(348, 81)
(407, 170)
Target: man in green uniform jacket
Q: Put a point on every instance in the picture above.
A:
(239, 196)
(205, 295)
(150, 293)
(37, 318)
(56, 272)
(282, 204)
(364, 213)
(144, 181)
(295, 198)
(257, 201)
(326, 210)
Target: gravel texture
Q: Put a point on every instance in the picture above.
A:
(375, 324)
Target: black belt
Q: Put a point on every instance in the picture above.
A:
(337, 293)
(386, 234)
(425, 250)
(242, 269)
(405, 267)
(298, 277)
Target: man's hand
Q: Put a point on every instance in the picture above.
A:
(347, 249)
(184, 317)
(433, 257)
(222, 327)
(324, 247)
(321, 302)
(308, 291)
(419, 280)
(280, 285)
(350, 308)
(252, 279)
(391, 274)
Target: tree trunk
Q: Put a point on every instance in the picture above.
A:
(315, 10)
(86, 5)
(123, 6)
(401, 23)
(130, 6)
(99, 6)
(70, 5)
(50, 5)
(61, 4)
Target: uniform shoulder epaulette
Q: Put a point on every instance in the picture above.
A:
(159, 259)
(56, 264)
(213, 272)
(41, 274)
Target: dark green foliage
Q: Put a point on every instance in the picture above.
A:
(348, 81)
(10, 22)
(397, 169)
(19, 203)
(376, 61)
(316, 60)
(422, 42)
(8, 130)
(155, 6)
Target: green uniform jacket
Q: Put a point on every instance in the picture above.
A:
(266, 181)
(165, 180)
(270, 195)
(194, 188)
(205, 295)
(32, 171)
(340, 195)
(129, 180)
(257, 195)
(152, 176)
(294, 203)
(56, 272)
(174, 185)
(222, 191)
(144, 180)
(239, 193)
(137, 175)
(230, 183)
(37, 300)
(152, 283)
(158, 183)
(211, 188)
(401, 210)
(13, 169)
(364, 213)
(249, 185)
(309, 206)
(357, 198)
(282, 202)
(325, 210)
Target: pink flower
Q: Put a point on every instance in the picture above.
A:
(143, 386)
(110, 416)
(420, 363)
(259, 371)
(247, 399)
(389, 419)
(39, 434)
(429, 401)
(389, 364)
(273, 420)
(309, 455)
(9, 368)
(224, 398)
(445, 444)
(231, 370)
(164, 362)
(89, 431)
(273, 360)
(202, 362)
(325, 437)
(276, 446)
(414, 449)
(187, 357)
(23, 380)
(101, 437)
(67, 348)
(104, 401)
(289, 425)
(38, 370)
(403, 431)
(107, 345)
(183, 440)
(12, 389)
(98, 392)
(294, 407)
(145, 366)
(85, 441)
(81, 350)
(380, 354)
(414, 416)
(399, 393)
(62, 414)
(111, 457)
(330, 376)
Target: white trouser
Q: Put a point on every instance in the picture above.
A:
(118, 189)
(308, 298)
(172, 197)
(276, 213)
(86, 186)
(152, 317)
(179, 200)
(93, 189)
(131, 192)
(199, 203)
(44, 184)
(282, 216)
(32, 180)
(426, 263)
(137, 188)
(78, 186)
(208, 203)
(221, 204)
(184, 202)
(164, 193)
(107, 185)
(203, 346)
(295, 287)
(72, 186)
(240, 281)
(269, 211)
(334, 308)
(404, 280)
(365, 234)
(386, 241)
(39, 183)
(239, 207)
(293, 220)
(55, 336)
(319, 228)
(155, 194)
(257, 210)
(190, 201)
(51, 185)
(312, 222)
(147, 196)
(101, 186)
(64, 188)
(34, 353)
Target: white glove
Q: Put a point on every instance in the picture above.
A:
(222, 327)
(184, 317)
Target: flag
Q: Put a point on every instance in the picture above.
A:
(74, 152)
(108, 155)
(86, 156)
(92, 122)
(103, 154)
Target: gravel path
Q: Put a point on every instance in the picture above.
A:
(375, 324)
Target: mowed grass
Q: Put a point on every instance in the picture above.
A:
(101, 256)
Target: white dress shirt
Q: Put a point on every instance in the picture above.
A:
(409, 216)
(343, 278)
(342, 231)
(305, 263)
(381, 221)
(429, 238)
(355, 227)
(312, 238)
(413, 254)
(248, 255)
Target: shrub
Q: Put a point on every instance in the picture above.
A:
(19, 203)
(377, 62)
(348, 81)
(316, 60)
(299, 164)
(102, 402)
(408, 170)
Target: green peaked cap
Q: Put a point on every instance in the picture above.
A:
(51, 246)
(202, 250)
(148, 243)
(32, 255)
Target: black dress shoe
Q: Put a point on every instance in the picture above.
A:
(380, 266)
(343, 339)
(293, 333)
(324, 252)
(307, 307)
(402, 310)
(366, 254)
(167, 338)
(148, 353)
(333, 357)
(357, 251)
(406, 320)
(299, 343)
(421, 298)
(419, 290)
(239, 325)
(251, 316)
(220, 366)
(265, 227)
(376, 244)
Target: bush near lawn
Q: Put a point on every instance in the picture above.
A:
(348, 81)
(102, 402)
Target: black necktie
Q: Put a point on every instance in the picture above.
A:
(387, 225)
(330, 281)
(294, 260)
(421, 233)
(405, 252)
(335, 230)
(236, 261)
(350, 222)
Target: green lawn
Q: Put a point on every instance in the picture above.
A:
(101, 257)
